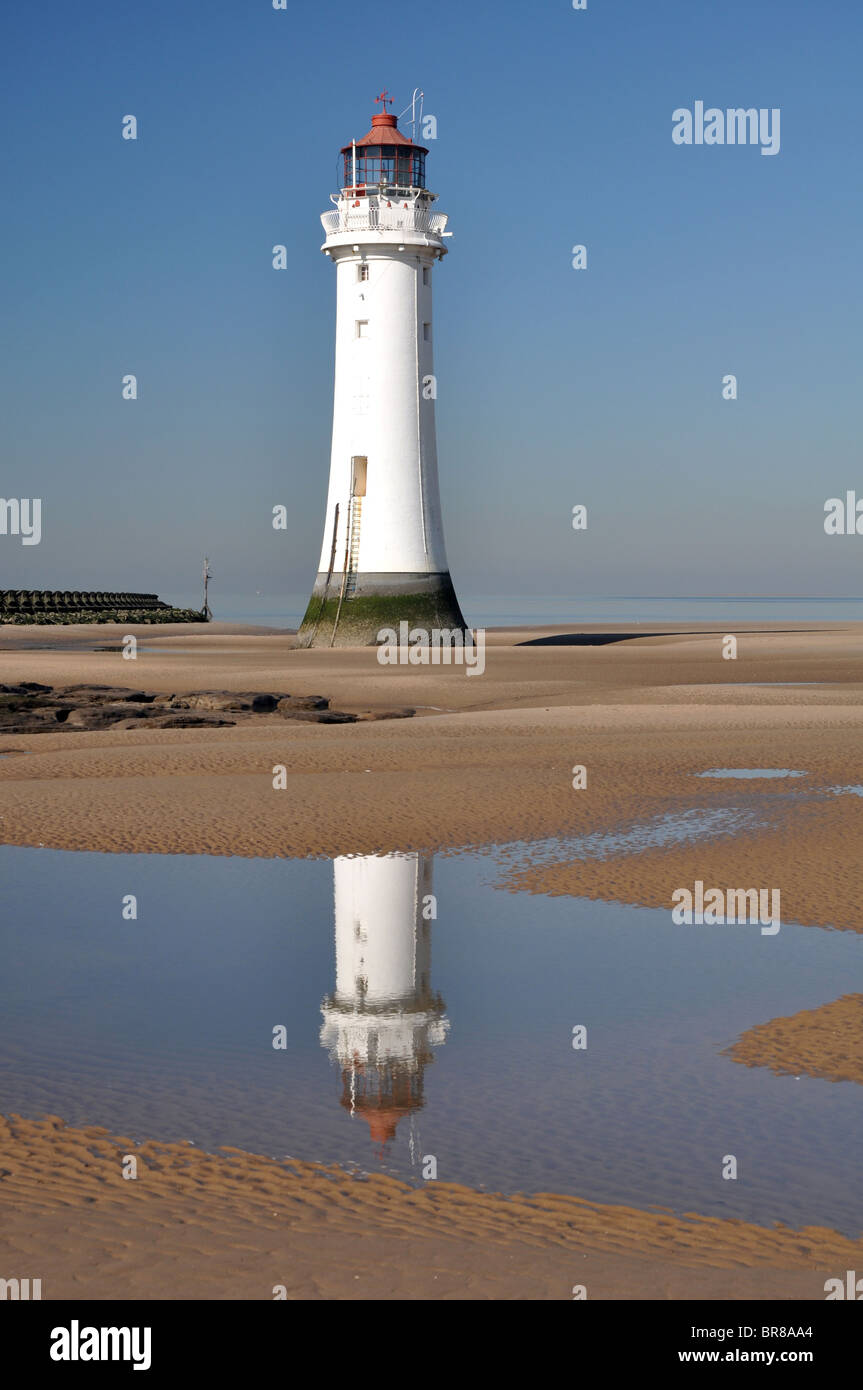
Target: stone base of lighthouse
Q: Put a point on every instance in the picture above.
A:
(377, 601)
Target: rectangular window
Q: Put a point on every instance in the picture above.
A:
(362, 272)
(427, 332)
(426, 275)
(362, 328)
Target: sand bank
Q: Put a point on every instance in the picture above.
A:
(235, 1225)
(826, 1042)
(487, 759)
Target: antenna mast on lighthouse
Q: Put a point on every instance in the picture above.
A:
(415, 120)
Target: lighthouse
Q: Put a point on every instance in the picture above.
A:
(383, 559)
(383, 1021)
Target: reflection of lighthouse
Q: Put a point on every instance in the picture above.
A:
(383, 1020)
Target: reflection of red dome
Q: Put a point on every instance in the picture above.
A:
(383, 1095)
(382, 1124)
(382, 1113)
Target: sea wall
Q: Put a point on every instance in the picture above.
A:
(74, 606)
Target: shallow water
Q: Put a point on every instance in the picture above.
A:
(659, 832)
(747, 772)
(515, 610)
(170, 650)
(449, 1037)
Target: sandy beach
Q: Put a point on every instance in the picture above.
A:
(235, 1225)
(482, 760)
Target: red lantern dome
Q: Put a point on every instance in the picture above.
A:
(384, 160)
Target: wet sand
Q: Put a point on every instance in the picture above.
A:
(487, 758)
(234, 1225)
(826, 1042)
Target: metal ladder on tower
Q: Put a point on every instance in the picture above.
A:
(353, 546)
(352, 552)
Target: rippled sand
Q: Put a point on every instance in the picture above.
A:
(235, 1225)
(825, 1042)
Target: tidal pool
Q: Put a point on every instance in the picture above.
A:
(751, 772)
(424, 1011)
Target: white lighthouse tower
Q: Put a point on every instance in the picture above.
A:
(383, 1020)
(383, 558)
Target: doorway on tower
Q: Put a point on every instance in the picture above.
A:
(359, 468)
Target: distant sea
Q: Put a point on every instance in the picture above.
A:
(511, 610)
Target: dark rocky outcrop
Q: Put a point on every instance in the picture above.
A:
(209, 700)
(388, 714)
(324, 716)
(177, 721)
(33, 708)
(293, 702)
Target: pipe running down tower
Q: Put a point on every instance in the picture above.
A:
(383, 559)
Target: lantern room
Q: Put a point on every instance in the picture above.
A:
(385, 160)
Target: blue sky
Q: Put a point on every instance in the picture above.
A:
(556, 386)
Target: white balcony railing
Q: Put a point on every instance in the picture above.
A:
(369, 218)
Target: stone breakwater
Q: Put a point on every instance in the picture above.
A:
(32, 708)
(73, 606)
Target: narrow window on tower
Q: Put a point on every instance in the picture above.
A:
(426, 275)
(362, 272)
(427, 332)
(362, 328)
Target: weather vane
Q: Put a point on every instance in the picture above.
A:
(384, 98)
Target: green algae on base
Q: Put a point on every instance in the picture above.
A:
(363, 616)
